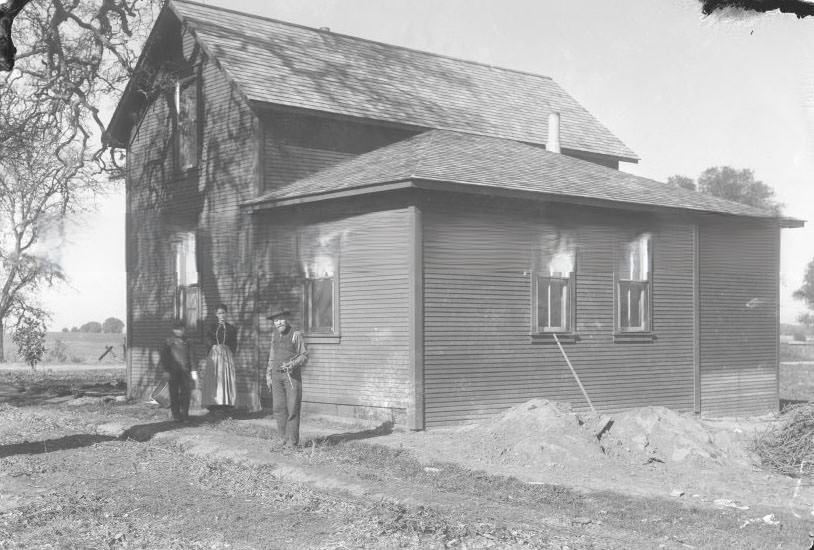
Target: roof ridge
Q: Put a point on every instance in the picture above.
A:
(361, 39)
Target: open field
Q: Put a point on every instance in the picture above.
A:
(74, 348)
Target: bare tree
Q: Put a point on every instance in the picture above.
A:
(73, 60)
(8, 11)
(37, 190)
(75, 56)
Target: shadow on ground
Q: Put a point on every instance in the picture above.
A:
(146, 431)
(784, 403)
(51, 445)
(385, 428)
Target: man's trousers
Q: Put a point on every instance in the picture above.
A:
(286, 395)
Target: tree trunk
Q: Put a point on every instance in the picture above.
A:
(2, 335)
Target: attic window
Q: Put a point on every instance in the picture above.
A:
(186, 118)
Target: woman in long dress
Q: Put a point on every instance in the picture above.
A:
(218, 386)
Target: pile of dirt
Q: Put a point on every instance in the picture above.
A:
(538, 432)
(545, 433)
(658, 433)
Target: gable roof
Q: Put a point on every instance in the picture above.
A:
(441, 159)
(285, 64)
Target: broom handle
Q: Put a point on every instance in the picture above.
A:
(588, 399)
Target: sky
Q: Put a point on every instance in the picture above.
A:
(684, 91)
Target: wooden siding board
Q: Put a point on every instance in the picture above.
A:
(369, 365)
(738, 282)
(477, 349)
(161, 201)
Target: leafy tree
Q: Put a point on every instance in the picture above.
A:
(29, 335)
(739, 186)
(111, 325)
(92, 326)
(74, 329)
(682, 181)
(735, 185)
(806, 294)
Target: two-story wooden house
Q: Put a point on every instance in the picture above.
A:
(436, 225)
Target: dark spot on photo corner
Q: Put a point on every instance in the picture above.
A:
(800, 8)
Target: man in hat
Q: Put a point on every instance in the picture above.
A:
(177, 361)
(286, 356)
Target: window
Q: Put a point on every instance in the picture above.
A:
(633, 294)
(320, 285)
(553, 292)
(319, 305)
(187, 306)
(186, 113)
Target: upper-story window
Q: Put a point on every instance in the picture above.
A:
(186, 116)
(553, 290)
(634, 289)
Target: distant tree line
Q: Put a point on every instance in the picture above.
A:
(111, 325)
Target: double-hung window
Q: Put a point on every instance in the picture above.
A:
(553, 294)
(634, 289)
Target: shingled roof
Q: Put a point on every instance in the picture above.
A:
(437, 159)
(281, 63)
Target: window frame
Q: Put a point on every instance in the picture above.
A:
(334, 334)
(181, 244)
(645, 329)
(570, 310)
(193, 83)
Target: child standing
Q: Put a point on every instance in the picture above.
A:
(177, 361)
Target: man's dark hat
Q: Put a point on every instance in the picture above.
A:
(278, 312)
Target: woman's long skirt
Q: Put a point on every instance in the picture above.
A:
(218, 387)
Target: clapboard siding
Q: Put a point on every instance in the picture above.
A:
(161, 201)
(738, 318)
(368, 366)
(296, 145)
(478, 355)
(738, 280)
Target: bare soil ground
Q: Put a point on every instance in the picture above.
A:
(81, 469)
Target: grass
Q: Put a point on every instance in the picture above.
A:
(796, 352)
(74, 347)
(33, 387)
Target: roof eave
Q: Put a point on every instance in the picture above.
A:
(791, 223)
(262, 204)
(117, 133)
(260, 106)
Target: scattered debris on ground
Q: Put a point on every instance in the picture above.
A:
(787, 447)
